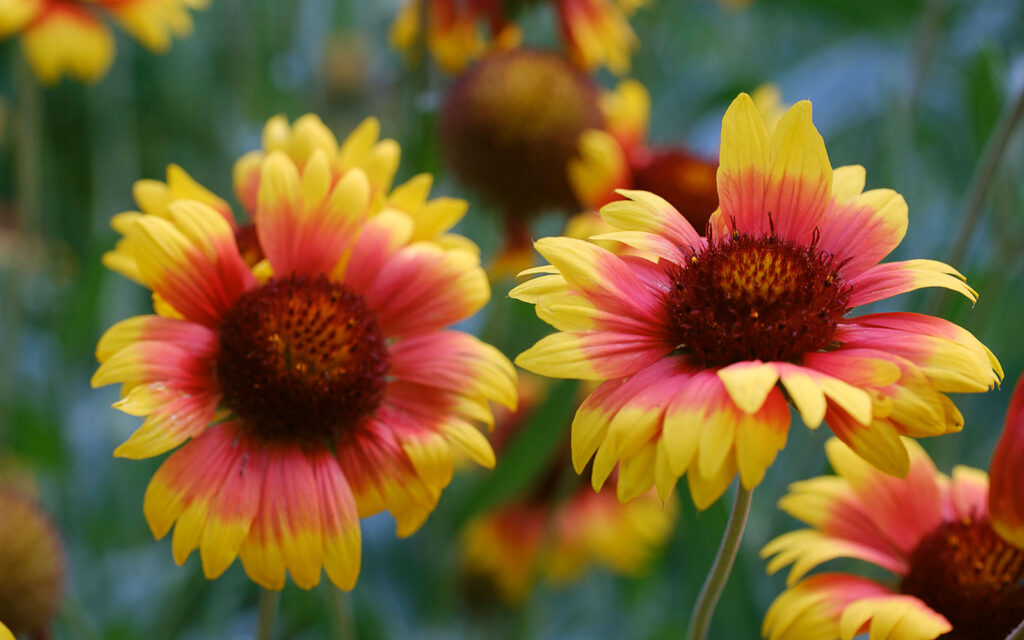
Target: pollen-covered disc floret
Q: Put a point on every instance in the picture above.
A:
(301, 368)
(966, 572)
(301, 359)
(755, 298)
(702, 337)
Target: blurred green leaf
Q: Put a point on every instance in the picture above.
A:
(985, 94)
(528, 455)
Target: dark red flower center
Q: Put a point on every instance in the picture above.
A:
(687, 182)
(755, 298)
(966, 572)
(301, 359)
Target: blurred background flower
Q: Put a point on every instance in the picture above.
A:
(71, 37)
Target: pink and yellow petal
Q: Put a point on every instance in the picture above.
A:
(592, 355)
(806, 549)
(304, 223)
(423, 288)
(951, 357)
(860, 229)
(892, 617)
(830, 505)
(65, 38)
(1005, 499)
(154, 196)
(192, 263)
(376, 243)
(598, 34)
(799, 183)
(645, 211)
(905, 509)
(210, 488)
(743, 168)
(173, 414)
(287, 531)
(455, 362)
(893, 278)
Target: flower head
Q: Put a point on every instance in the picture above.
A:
(458, 31)
(31, 566)
(958, 575)
(701, 346)
(596, 32)
(510, 126)
(71, 37)
(319, 386)
(560, 527)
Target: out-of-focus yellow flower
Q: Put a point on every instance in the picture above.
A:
(363, 149)
(31, 567)
(458, 31)
(596, 32)
(71, 37)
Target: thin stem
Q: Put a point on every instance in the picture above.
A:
(269, 600)
(1017, 634)
(981, 180)
(722, 566)
(341, 613)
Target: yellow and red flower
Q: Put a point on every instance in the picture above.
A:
(558, 530)
(71, 37)
(596, 32)
(617, 156)
(362, 149)
(701, 346)
(318, 386)
(458, 31)
(947, 542)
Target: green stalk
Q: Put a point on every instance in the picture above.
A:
(269, 600)
(700, 621)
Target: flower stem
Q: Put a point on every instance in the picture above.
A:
(722, 566)
(981, 181)
(269, 600)
(341, 613)
(1017, 634)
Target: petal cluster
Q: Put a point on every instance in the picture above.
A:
(287, 503)
(661, 410)
(868, 516)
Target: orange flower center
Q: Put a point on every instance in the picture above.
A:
(755, 298)
(966, 572)
(687, 182)
(301, 359)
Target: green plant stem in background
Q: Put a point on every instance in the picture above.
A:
(269, 600)
(981, 181)
(1018, 633)
(341, 613)
(700, 621)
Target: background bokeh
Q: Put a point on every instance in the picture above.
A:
(911, 89)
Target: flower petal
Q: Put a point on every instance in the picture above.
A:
(860, 229)
(1005, 498)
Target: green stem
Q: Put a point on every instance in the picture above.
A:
(1017, 634)
(269, 600)
(341, 613)
(722, 566)
(981, 181)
